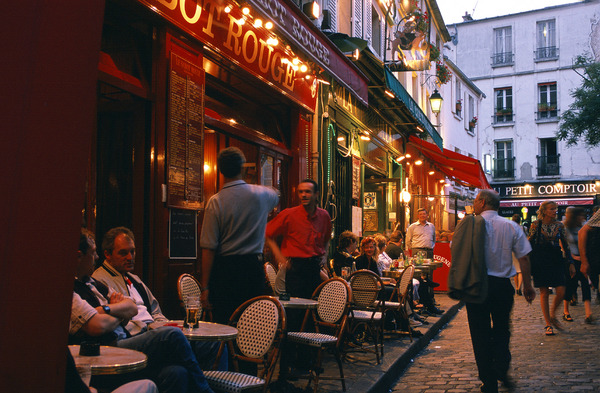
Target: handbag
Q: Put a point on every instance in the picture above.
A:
(543, 255)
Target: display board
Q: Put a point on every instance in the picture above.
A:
(183, 234)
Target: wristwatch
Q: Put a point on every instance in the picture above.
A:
(106, 309)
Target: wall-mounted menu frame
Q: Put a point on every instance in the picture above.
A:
(185, 134)
(183, 234)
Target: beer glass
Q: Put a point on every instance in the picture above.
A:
(192, 312)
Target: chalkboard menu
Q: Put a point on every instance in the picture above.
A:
(185, 134)
(183, 231)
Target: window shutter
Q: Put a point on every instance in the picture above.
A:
(369, 21)
(357, 18)
(332, 8)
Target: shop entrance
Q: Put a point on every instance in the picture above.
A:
(381, 209)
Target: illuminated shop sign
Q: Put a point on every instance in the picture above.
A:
(222, 26)
(562, 189)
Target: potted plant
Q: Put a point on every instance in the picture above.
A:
(458, 105)
(472, 122)
(543, 107)
(420, 19)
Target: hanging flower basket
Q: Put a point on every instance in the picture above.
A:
(434, 52)
(419, 18)
(443, 73)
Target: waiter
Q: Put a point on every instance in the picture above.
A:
(420, 235)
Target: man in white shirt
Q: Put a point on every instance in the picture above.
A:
(491, 344)
(420, 235)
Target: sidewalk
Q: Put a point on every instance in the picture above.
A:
(362, 372)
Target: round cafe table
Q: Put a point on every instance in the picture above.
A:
(299, 303)
(206, 331)
(112, 360)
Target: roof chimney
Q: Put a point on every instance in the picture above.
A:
(467, 17)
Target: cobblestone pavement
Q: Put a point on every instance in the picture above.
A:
(566, 362)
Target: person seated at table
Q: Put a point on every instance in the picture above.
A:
(74, 383)
(368, 253)
(99, 314)
(384, 262)
(342, 257)
(118, 246)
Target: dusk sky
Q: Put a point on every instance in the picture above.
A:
(453, 10)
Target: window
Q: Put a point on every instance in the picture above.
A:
(504, 165)
(471, 115)
(459, 100)
(376, 31)
(503, 112)
(547, 101)
(503, 53)
(548, 163)
(546, 41)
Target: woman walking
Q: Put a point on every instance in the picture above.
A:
(548, 265)
(574, 220)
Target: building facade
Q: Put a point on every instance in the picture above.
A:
(524, 64)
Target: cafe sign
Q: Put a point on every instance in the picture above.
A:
(548, 190)
(243, 43)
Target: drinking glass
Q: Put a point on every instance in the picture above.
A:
(192, 311)
(345, 272)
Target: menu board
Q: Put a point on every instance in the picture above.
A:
(185, 134)
(183, 236)
(356, 181)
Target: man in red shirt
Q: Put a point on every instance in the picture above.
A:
(305, 232)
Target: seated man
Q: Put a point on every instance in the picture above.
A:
(118, 247)
(99, 313)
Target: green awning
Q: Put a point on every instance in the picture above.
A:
(401, 94)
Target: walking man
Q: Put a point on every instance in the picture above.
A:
(491, 342)
(305, 232)
(420, 235)
(233, 238)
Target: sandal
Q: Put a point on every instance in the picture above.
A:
(567, 317)
(549, 331)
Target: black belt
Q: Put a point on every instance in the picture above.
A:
(315, 259)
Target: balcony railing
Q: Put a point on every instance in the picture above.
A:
(503, 115)
(548, 165)
(504, 168)
(547, 112)
(546, 53)
(504, 58)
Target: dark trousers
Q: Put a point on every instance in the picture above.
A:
(233, 280)
(489, 324)
(586, 293)
(303, 276)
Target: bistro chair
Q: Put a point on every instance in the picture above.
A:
(261, 325)
(366, 312)
(401, 307)
(187, 285)
(329, 318)
(271, 274)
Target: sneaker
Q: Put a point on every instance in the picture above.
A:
(414, 323)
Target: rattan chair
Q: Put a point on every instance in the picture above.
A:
(271, 274)
(366, 313)
(187, 285)
(261, 325)
(402, 295)
(329, 318)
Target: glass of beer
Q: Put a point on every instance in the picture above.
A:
(192, 311)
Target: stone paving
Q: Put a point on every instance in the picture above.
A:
(566, 362)
(442, 360)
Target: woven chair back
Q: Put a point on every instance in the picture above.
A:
(332, 301)
(365, 288)
(188, 286)
(257, 328)
(271, 275)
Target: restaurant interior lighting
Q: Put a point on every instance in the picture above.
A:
(408, 155)
(442, 181)
(405, 196)
(312, 10)
(431, 172)
(419, 162)
(389, 93)
(399, 159)
(435, 101)
(419, 129)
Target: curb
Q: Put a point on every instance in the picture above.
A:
(390, 377)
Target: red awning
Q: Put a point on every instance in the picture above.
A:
(463, 169)
(537, 202)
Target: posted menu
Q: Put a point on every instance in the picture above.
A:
(185, 134)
